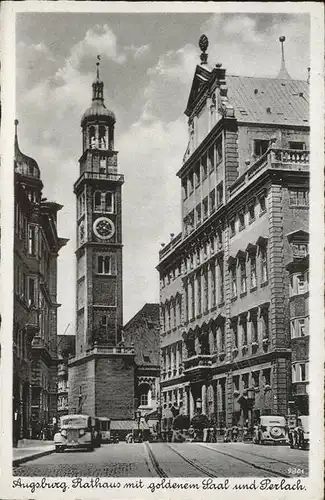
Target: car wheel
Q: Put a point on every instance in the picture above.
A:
(58, 449)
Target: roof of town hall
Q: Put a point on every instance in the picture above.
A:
(269, 100)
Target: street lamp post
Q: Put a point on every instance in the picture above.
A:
(159, 415)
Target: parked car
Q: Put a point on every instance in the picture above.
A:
(299, 436)
(271, 428)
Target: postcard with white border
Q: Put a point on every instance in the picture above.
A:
(162, 237)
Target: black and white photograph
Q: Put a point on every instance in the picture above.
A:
(162, 212)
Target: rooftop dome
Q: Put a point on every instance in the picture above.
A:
(98, 108)
(24, 165)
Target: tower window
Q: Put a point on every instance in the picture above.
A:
(104, 202)
(92, 137)
(102, 165)
(104, 264)
(102, 138)
(32, 240)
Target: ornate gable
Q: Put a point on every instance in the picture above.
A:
(200, 82)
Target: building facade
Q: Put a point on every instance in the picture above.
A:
(143, 332)
(36, 247)
(101, 376)
(66, 349)
(234, 282)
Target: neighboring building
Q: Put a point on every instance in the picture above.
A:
(66, 349)
(36, 247)
(234, 282)
(101, 376)
(143, 332)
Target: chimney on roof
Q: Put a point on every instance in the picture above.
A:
(283, 73)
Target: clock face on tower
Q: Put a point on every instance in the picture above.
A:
(104, 228)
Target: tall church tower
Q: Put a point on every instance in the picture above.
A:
(101, 376)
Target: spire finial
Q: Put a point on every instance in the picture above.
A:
(204, 44)
(16, 127)
(97, 64)
(283, 73)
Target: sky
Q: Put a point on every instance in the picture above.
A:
(147, 65)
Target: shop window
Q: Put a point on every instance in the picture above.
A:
(260, 146)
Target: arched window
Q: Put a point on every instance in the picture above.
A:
(92, 137)
(104, 264)
(109, 202)
(97, 201)
(102, 138)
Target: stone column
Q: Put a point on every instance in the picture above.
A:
(191, 403)
(204, 398)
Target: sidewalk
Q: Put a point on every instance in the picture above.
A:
(28, 449)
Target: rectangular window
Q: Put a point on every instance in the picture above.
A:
(220, 194)
(256, 379)
(191, 183)
(243, 281)
(205, 207)
(300, 372)
(234, 327)
(232, 226)
(299, 197)
(254, 327)
(32, 239)
(260, 146)
(212, 200)
(233, 277)
(264, 271)
(31, 292)
(219, 150)
(197, 175)
(300, 250)
(241, 218)
(211, 159)
(204, 166)
(251, 212)
(297, 145)
(267, 376)
(184, 188)
(262, 202)
(253, 271)
(243, 323)
(300, 284)
(245, 379)
(221, 281)
(236, 382)
(102, 165)
(144, 399)
(198, 214)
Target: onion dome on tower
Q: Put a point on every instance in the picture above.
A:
(97, 121)
(24, 165)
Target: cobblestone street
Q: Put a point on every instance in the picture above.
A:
(172, 460)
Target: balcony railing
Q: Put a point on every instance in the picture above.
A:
(107, 176)
(105, 350)
(198, 361)
(167, 248)
(274, 158)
